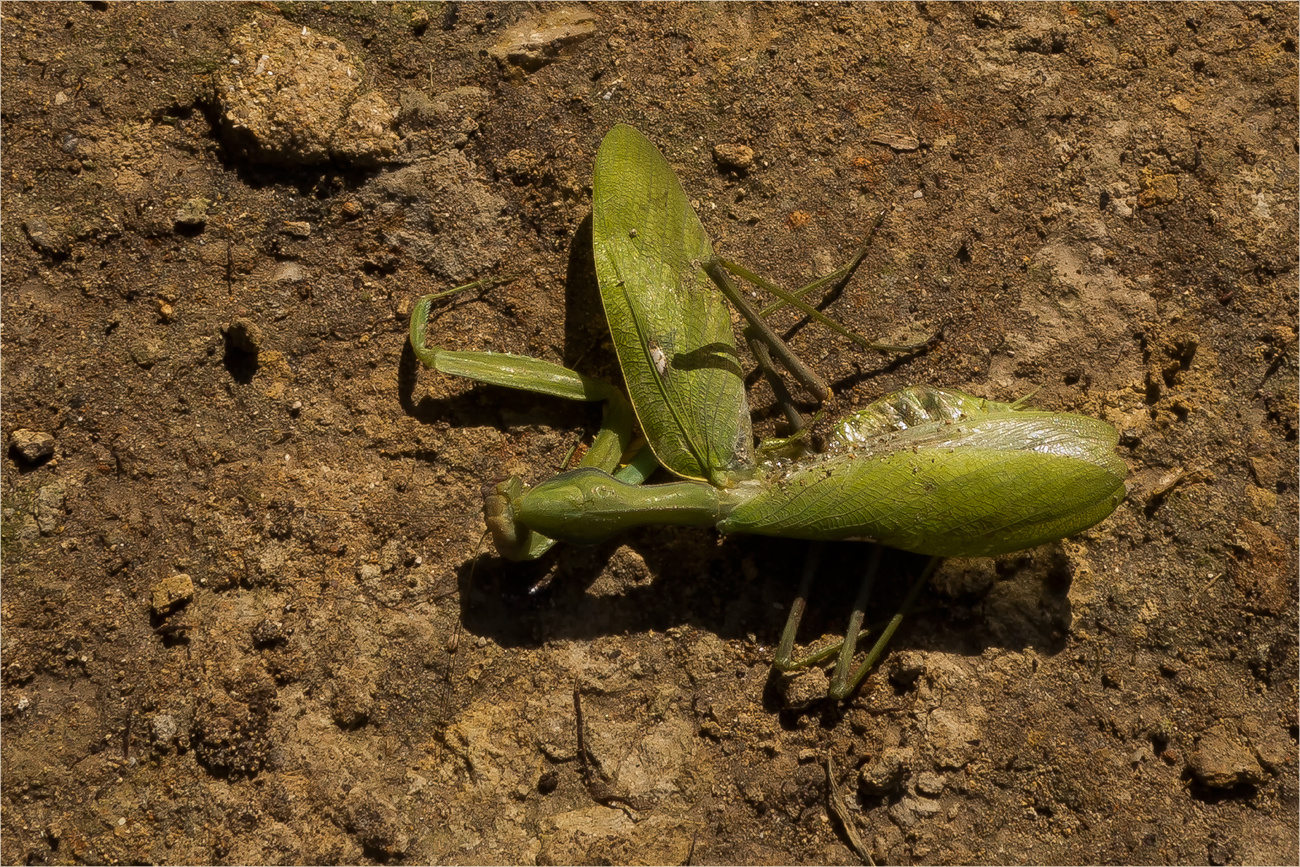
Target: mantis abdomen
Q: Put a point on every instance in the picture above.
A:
(969, 502)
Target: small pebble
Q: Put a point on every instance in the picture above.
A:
(733, 157)
(929, 783)
(1221, 762)
(49, 236)
(906, 668)
(171, 593)
(923, 806)
(51, 504)
(288, 272)
(290, 96)
(539, 40)
(268, 632)
(804, 688)
(193, 214)
(163, 728)
(146, 353)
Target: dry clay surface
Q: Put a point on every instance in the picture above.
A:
(246, 613)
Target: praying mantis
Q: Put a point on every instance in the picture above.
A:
(928, 470)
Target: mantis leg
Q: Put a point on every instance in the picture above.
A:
(845, 678)
(783, 396)
(843, 683)
(535, 375)
(791, 362)
(717, 269)
(541, 377)
(783, 661)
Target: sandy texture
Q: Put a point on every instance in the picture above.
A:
(246, 614)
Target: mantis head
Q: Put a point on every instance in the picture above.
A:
(512, 540)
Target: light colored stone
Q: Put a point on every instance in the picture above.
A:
(537, 41)
(290, 96)
(32, 446)
(171, 593)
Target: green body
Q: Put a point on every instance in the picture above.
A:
(964, 477)
(925, 470)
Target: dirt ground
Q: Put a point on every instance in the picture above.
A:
(247, 614)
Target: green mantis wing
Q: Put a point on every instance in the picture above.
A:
(671, 329)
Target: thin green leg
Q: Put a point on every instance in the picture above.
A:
(785, 650)
(842, 683)
(845, 678)
(850, 644)
(542, 377)
(782, 660)
(779, 389)
(800, 371)
(837, 278)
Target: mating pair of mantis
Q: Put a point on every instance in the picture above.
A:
(927, 470)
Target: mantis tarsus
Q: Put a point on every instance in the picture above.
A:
(927, 470)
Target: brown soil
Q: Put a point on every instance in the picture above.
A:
(205, 375)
